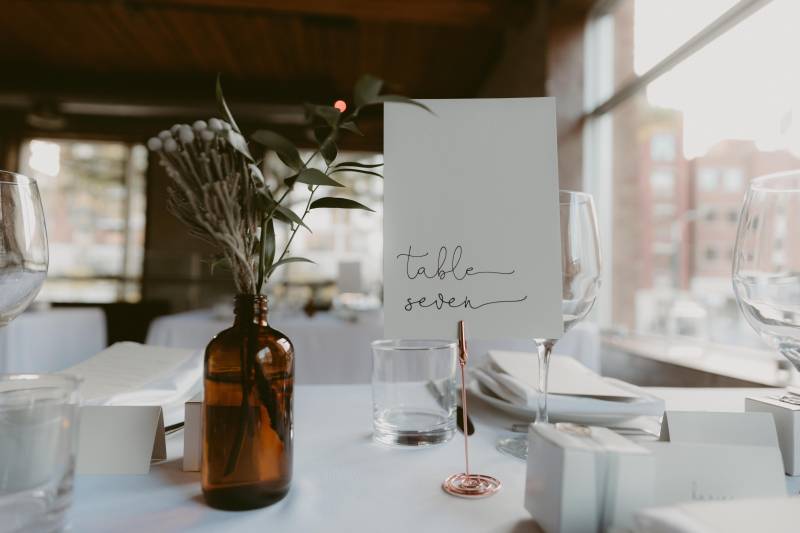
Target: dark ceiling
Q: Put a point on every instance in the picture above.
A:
(160, 57)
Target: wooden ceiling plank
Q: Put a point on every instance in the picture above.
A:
(439, 12)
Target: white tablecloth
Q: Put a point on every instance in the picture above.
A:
(52, 339)
(334, 351)
(343, 481)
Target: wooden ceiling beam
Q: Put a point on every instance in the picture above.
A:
(181, 90)
(433, 12)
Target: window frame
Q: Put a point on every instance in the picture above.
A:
(125, 279)
(601, 99)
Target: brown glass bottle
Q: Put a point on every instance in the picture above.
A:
(247, 411)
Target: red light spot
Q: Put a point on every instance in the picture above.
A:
(340, 105)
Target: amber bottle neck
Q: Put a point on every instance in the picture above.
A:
(250, 308)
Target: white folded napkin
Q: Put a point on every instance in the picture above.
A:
(618, 398)
(776, 515)
(128, 373)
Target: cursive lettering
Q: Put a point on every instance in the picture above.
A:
(441, 302)
(413, 270)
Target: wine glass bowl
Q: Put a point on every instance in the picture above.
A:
(766, 263)
(580, 278)
(580, 256)
(23, 244)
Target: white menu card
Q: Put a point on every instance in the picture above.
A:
(471, 219)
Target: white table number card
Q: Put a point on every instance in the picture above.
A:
(471, 219)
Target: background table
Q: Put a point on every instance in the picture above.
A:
(51, 339)
(331, 350)
(343, 481)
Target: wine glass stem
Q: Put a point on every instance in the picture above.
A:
(545, 348)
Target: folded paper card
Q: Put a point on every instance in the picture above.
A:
(567, 375)
(128, 391)
(717, 455)
(193, 434)
(584, 479)
(787, 423)
(689, 471)
(471, 219)
(744, 429)
(773, 515)
(120, 439)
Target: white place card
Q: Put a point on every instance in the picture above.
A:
(471, 219)
(689, 471)
(193, 434)
(775, 515)
(787, 424)
(115, 439)
(746, 429)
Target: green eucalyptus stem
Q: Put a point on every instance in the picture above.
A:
(261, 266)
(297, 227)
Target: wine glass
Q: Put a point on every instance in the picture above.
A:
(580, 266)
(766, 264)
(23, 244)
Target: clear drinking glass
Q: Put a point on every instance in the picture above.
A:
(580, 266)
(766, 264)
(413, 391)
(23, 248)
(38, 445)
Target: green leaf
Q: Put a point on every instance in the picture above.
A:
(286, 150)
(338, 203)
(223, 106)
(321, 134)
(264, 200)
(357, 164)
(359, 170)
(269, 245)
(399, 99)
(327, 113)
(236, 140)
(291, 215)
(277, 215)
(312, 176)
(286, 260)
(351, 126)
(289, 182)
(366, 90)
(329, 150)
(326, 138)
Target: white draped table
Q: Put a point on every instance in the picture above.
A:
(343, 481)
(332, 350)
(50, 340)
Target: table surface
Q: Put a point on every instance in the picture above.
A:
(343, 481)
(332, 350)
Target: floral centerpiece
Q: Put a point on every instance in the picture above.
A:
(218, 190)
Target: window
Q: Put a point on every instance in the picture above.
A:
(708, 179)
(713, 77)
(340, 235)
(663, 182)
(733, 180)
(662, 147)
(93, 194)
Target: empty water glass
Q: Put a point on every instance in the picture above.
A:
(413, 391)
(38, 445)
